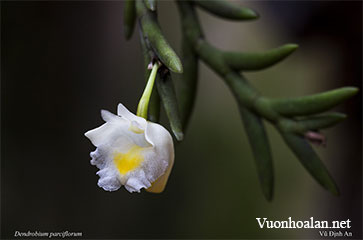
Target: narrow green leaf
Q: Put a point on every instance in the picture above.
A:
(154, 106)
(225, 9)
(167, 94)
(150, 4)
(129, 18)
(321, 121)
(153, 34)
(258, 61)
(312, 104)
(310, 160)
(187, 87)
(261, 150)
(310, 123)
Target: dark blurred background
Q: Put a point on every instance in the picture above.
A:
(61, 62)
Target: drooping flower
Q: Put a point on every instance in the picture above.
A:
(132, 152)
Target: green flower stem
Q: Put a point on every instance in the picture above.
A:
(227, 10)
(142, 108)
(129, 18)
(257, 61)
(154, 104)
(153, 34)
(261, 150)
(166, 90)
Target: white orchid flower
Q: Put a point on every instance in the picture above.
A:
(132, 152)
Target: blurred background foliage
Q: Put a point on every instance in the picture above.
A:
(61, 62)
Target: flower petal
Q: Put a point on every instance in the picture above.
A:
(108, 116)
(161, 156)
(122, 111)
(106, 131)
(97, 159)
(108, 180)
(159, 137)
(159, 185)
(137, 181)
(115, 132)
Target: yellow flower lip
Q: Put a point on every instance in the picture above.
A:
(126, 162)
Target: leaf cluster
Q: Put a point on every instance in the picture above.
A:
(298, 120)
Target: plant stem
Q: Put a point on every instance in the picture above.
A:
(143, 106)
(245, 94)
